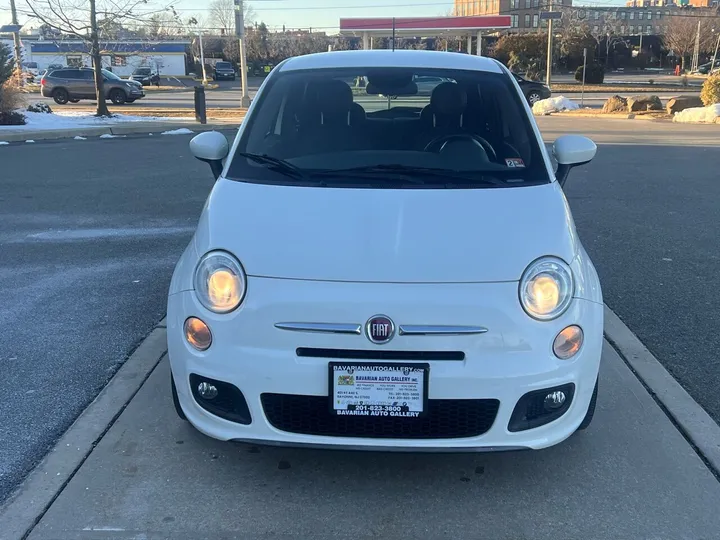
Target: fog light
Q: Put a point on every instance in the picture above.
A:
(207, 390)
(568, 342)
(198, 334)
(554, 400)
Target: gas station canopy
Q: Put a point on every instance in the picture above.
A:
(423, 27)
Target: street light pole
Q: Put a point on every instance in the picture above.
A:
(548, 72)
(202, 58)
(240, 33)
(717, 44)
(16, 40)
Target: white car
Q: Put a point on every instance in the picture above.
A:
(408, 278)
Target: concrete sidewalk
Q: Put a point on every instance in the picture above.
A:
(152, 476)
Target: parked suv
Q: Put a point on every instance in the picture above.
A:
(145, 76)
(74, 84)
(224, 70)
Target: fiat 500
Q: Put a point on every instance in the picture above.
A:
(379, 269)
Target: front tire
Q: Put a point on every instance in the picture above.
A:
(60, 96)
(117, 96)
(591, 410)
(74, 101)
(176, 401)
(533, 98)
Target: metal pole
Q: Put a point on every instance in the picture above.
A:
(240, 33)
(393, 35)
(479, 45)
(696, 52)
(549, 50)
(582, 94)
(641, 34)
(16, 40)
(712, 66)
(202, 59)
(469, 43)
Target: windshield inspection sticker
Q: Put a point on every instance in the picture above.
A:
(514, 162)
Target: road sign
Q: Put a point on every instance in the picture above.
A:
(554, 15)
(10, 28)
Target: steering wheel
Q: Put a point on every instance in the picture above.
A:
(439, 143)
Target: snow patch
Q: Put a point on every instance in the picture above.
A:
(181, 131)
(554, 104)
(110, 136)
(79, 138)
(29, 141)
(2, 143)
(75, 119)
(698, 115)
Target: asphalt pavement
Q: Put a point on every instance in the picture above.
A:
(90, 232)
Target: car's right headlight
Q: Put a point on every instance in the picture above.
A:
(546, 288)
(220, 282)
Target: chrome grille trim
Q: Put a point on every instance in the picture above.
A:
(321, 328)
(439, 330)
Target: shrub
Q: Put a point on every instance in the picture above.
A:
(12, 118)
(10, 100)
(651, 81)
(39, 108)
(6, 64)
(595, 74)
(711, 90)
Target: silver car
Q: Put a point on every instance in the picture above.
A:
(74, 84)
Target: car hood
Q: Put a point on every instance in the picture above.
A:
(387, 235)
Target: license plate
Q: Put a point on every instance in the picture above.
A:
(378, 389)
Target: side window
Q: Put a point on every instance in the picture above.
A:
(60, 74)
(88, 75)
(73, 74)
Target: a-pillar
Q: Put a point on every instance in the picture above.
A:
(469, 44)
(366, 41)
(479, 43)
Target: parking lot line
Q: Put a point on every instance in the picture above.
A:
(630, 475)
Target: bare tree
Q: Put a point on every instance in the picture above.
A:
(682, 30)
(79, 19)
(222, 15)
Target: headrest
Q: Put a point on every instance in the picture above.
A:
(448, 99)
(334, 97)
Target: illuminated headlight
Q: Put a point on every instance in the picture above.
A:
(220, 282)
(546, 288)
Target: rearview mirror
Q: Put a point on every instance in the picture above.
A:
(571, 151)
(211, 147)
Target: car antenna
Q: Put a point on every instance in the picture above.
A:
(393, 36)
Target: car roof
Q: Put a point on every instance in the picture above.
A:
(387, 58)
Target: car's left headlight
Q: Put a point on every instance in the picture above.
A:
(220, 282)
(546, 288)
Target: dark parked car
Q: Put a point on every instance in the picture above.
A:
(705, 68)
(146, 76)
(532, 90)
(74, 84)
(224, 70)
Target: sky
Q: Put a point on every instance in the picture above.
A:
(316, 14)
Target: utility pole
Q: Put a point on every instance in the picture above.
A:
(549, 47)
(240, 33)
(16, 40)
(202, 58)
(712, 66)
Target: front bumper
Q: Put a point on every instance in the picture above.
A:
(513, 358)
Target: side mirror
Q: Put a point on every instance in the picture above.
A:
(571, 151)
(211, 147)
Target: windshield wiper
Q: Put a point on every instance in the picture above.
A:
(275, 164)
(414, 174)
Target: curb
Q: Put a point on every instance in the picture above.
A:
(628, 116)
(44, 135)
(689, 417)
(26, 506)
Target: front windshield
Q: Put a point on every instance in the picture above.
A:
(346, 125)
(142, 71)
(110, 75)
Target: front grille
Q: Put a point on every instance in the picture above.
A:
(379, 354)
(445, 419)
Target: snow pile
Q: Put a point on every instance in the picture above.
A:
(699, 115)
(554, 104)
(79, 138)
(2, 143)
(75, 119)
(109, 136)
(181, 131)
